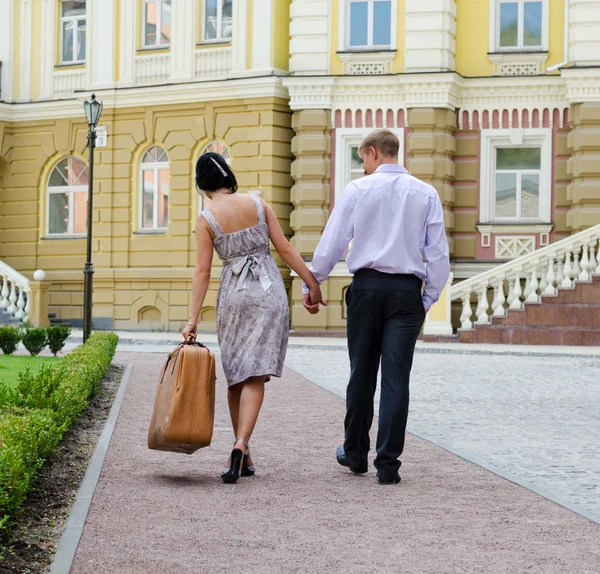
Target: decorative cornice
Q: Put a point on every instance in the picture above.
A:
(193, 92)
(582, 84)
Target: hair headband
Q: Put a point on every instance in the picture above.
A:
(223, 172)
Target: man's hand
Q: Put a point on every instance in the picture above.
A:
(312, 300)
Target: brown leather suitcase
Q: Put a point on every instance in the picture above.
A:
(184, 407)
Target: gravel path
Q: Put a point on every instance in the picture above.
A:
(165, 513)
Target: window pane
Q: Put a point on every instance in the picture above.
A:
(530, 195)
(226, 22)
(509, 25)
(506, 195)
(518, 158)
(355, 162)
(163, 197)
(77, 171)
(210, 20)
(382, 18)
(73, 8)
(58, 177)
(165, 23)
(81, 40)
(358, 23)
(148, 199)
(150, 24)
(58, 213)
(67, 42)
(80, 212)
(532, 24)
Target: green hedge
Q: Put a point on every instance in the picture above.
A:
(35, 414)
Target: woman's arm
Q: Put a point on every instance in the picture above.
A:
(292, 258)
(201, 279)
(285, 249)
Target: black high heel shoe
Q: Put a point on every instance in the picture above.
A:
(233, 473)
(247, 470)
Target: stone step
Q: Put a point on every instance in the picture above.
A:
(528, 335)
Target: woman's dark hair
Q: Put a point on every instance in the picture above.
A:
(212, 173)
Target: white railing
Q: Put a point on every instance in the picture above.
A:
(152, 68)
(14, 294)
(213, 62)
(560, 265)
(67, 81)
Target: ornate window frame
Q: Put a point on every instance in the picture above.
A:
(75, 19)
(517, 137)
(344, 29)
(345, 139)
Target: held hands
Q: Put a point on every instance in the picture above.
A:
(313, 299)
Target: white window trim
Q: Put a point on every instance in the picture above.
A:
(157, 44)
(219, 39)
(494, 29)
(533, 137)
(155, 167)
(75, 20)
(346, 137)
(70, 191)
(344, 30)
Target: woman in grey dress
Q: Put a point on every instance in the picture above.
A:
(252, 305)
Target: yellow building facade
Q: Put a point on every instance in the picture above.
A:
(285, 89)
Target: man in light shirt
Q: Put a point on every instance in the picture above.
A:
(396, 223)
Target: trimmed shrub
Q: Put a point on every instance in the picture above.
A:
(56, 336)
(35, 414)
(9, 339)
(35, 340)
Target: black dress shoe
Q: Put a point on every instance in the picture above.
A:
(341, 458)
(395, 479)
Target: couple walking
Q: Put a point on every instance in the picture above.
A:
(395, 222)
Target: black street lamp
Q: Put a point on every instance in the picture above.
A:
(93, 109)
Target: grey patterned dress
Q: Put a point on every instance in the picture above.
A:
(252, 306)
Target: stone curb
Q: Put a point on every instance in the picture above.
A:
(69, 540)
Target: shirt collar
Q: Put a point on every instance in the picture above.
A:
(391, 168)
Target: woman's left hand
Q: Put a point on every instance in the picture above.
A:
(189, 331)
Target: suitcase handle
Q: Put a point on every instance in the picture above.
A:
(175, 354)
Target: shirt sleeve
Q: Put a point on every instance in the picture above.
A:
(338, 232)
(436, 254)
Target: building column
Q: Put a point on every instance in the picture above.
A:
(128, 31)
(25, 53)
(100, 44)
(183, 40)
(310, 197)
(584, 166)
(431, 147)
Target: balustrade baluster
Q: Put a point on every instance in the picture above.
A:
(20, 305)
(511, 296)
(533, 296)
(593, 263)
(584, 274)
(516, 293)
(4, 293)
(467, 312)
(12, 298)
(567, 272)
(527, 290)
(576, 266)
(27, 305)
(499, 298)
(482, 306)
(549, 289)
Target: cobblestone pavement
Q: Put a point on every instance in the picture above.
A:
(534, 420)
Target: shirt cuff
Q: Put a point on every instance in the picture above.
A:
(305, 289)
(428, 301)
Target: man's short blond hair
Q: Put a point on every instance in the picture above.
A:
(386, 142)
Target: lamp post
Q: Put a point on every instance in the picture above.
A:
(93, 109)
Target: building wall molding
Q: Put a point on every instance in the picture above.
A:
(193, 92)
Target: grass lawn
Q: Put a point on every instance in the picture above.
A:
(12, 365)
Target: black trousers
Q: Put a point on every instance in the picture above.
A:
(385, 316)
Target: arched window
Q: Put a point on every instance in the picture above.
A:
(216, 147)
(67, 198)
(154, 189)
